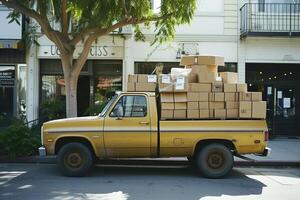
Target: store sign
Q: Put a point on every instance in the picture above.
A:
(7, 78)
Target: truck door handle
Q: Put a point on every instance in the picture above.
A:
(144, 123)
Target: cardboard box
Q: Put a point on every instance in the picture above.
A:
(229, 77)
(232, 113)
(180, 97)
(245, 109)
(193, 96)
(219, 96)
(167, 114)
(204, 87)
(130, 87)
(167, 97)
(196, 69)
(216, 105)
(202, 60)
(229, 87)
(256, 96)
(259, 109)
(204, 105)
(167, 106)
(180, 87)
(145, 78)
(180, 105)
(145, 87)
(207, 77)
(132, 78)
(193, 78)
(193, 87)
(165, 78)
(241, 87)
(204, 114)
(193, 114)
(220, 113)
(192, 105)
(231, 96)
(204, 96)
(217, 86)
(179, 114)
(245, 96)
(231, 105)
(165, 87)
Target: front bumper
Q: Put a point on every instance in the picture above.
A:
(42, 151)
(266, 152)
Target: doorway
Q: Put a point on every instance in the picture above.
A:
(83, 95)
(7, 84)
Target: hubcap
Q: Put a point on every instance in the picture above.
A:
(73, 160)
(215, 160)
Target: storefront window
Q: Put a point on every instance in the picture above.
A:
(53, 88)
(7, 84)
(229, 67)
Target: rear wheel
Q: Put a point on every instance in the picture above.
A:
(214, 161)
(75, 159)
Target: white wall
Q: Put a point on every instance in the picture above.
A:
(9, 30)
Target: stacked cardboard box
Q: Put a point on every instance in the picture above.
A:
(141, 83)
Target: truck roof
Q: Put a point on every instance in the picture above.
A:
(146, 93)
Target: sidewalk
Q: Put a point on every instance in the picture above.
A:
(285, 152)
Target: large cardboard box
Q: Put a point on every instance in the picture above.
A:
(219, 96)
(145, 78)
(231, 105)
(232, 113)
(193, 87)
(145, 87)
(229, 77)
(196, 69)
(193, 96)
(259, 109)
(204, 114)
(193, 78)
(207, 77)
(130, 87)
(167, 114)
(220, 113)
(216, 105)
(167, 105)
(180, 105)
(256, 96)
(241, 87)
(180, 97)
(132, 78)
(229, 87)
(231, 96)
(204, 96)
(179, 114)
(245, 109)
(204, 87)
(166, 97)
(192, 105)
(217, 86)
(204, 105)
(245, 96)
(165, 78)
(180, 87)
(202, 60)
(193, 114)
(165, 87)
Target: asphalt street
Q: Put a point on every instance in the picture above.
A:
(43, 181)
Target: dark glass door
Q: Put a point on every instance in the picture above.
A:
(83, 95)
(6, 101)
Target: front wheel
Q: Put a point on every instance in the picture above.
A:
(74, 159)
(214, 161)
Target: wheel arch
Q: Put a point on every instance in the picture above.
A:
(204, 142)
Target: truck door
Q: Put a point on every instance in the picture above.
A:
(127, 128)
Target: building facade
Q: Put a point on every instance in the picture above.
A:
(259, 39)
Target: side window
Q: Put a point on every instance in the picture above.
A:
(130, 106)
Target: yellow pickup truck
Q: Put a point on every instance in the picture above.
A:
(129, 127)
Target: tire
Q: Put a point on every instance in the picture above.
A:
(74, 159)
(214, 161)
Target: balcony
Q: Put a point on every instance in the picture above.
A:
(270, 19)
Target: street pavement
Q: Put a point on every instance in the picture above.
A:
(43, 181)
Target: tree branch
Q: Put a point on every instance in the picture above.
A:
(64, 18)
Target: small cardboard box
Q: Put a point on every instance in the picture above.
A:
(167, 114)
(193, 96)
(220, 113)
(204, 105)
(229, 77)
(204, 96)
(145, 87)
(245, 109)
(193, 78)
(204, 87)
(202, 60)
(167, 97)
(207, 77)
(145, 78)
(259, 109)
(132, 78)
(193, 114)
(165, 78)
(130, 87)
(167, 106)
(245, 96)
(192, 105)
(180, 97)
(193, 87)
(204, 114)
(216, 105)
(180, 105)
(180, 87)
(230, 96)
(165, 87)
(232, 113)
(219, 96)
(231, 105)
(241, 87)
(229, 87)
(179, 114)
(217, 86)
(256, 96)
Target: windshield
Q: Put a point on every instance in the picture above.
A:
(108, 104)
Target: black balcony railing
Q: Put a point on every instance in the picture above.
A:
(270, 19)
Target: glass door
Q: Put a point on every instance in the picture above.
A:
(7, 84)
